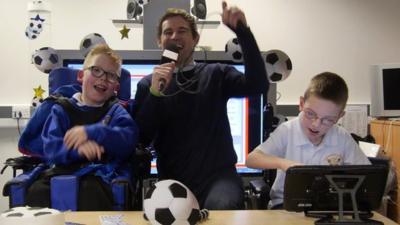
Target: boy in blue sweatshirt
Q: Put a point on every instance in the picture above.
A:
(89, 133)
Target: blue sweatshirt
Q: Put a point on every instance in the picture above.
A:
(118, 137)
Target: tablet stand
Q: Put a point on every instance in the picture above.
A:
(342, 220)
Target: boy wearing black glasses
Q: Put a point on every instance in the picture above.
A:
(89, 134)
(313, 138)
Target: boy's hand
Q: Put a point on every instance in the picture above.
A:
(91, 150)
(232, 15)
(75, 136)
(288, 163)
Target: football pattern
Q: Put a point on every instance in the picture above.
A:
(133, 9)
(143, 2)
(34, 28)
(277, 64)
(45, 59)
(233, 50)
(36, 102)
(29, 34)
(32, 216)
(90, 41)
(171, 202)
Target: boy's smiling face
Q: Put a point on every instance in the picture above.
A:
(317, 117)
(96, 91)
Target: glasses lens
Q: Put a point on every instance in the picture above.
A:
(327, 122)
(99, 72)
(96, 71)
(112, 77)
(310, 115)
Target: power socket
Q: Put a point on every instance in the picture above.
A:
(21, 112)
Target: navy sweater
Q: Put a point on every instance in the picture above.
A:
(190, 130)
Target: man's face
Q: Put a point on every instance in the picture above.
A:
(176, 30)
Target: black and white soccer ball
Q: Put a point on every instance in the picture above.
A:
(133, 9)
(90, 41)
(171, 202)
(46, 59)
(277, 64)
(233, 50)
(30, 34)
(35, 26)
(143, 2)
(32, 215)
(36, 102)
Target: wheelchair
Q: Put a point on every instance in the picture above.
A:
(126, 188)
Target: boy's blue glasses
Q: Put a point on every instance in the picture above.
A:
(99, 72)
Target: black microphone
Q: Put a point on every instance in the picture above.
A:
(170, 54)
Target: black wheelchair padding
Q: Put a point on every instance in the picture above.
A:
(79, 117)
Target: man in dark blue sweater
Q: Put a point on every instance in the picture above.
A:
(182, 109)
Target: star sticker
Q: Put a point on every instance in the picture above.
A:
(37, 18)
(39, 92)
(124, 32)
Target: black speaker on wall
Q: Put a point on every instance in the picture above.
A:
(199, 9)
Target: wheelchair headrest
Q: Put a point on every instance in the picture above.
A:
(68, 76)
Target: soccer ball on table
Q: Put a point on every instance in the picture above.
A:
(45, 59)
(277, 64)
(171, 202)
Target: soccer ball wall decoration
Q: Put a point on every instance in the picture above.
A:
(36, 102)
(133, 9)
(90, 41)
(171, 202)
(233, 50)
(45, 59)
(277, 64)
(34, 28)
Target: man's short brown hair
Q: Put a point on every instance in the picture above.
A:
(172, 12)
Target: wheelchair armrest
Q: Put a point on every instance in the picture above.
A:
(122, 193)
(259, 186)
(16, 188)
(25, 163)
(23, 180)
(258, 194)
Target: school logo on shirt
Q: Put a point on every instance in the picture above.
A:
(334, 159)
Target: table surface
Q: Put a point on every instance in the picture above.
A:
(231, 217)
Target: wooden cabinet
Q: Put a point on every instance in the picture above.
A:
(387, 134)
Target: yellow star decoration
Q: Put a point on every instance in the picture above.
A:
(124, 32)
(39, 92)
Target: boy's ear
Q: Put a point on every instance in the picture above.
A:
(301, 105)
(80, 76)
(116, 89)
